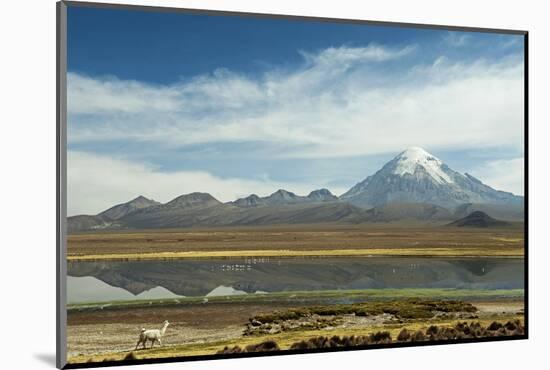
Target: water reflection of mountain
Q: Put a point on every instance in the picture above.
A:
(199, 277)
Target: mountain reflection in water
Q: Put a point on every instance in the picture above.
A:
(202, 276)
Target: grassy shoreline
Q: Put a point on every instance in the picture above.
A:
(309, 296)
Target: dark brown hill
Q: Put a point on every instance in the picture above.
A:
(478, 219)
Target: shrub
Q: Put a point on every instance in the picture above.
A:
(461, 326)
(299, 345)
(418, 336)
(404, 335)
(432, 330)
(381, 337)
(131, 356)
(336, 341)
(226, 349)
(510, 326)
(267, 346)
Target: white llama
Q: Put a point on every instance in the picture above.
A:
(152, 335)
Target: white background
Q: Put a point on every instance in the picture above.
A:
(27, 197)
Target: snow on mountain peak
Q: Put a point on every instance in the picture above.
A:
(414, 157)
(415, 152)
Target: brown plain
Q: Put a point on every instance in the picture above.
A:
(389, 239)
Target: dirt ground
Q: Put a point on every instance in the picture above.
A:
(101, 331)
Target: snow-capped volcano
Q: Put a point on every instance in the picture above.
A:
(414, 158)
(416, 176)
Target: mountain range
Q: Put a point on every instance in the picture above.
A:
(415, 185)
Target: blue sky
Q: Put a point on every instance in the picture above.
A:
(162, 104)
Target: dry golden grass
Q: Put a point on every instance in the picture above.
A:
(413, 252)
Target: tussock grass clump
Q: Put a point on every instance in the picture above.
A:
(380, 337)
(266, 346)
(448, 333)
(511, 326)
(131, 356)
(404, 335)
(494, 326)
(300, 345)
(345, 341)
(432, 330)
(226, 349)
(418, 336)
(464, 330)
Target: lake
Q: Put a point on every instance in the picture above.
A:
(114, 280)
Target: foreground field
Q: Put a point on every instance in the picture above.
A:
(300, 240)
(200, 325)
(97, 334)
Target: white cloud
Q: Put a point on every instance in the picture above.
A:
(337, 103)
(97, 182)
(111, 95)
(332, 57)
(456, 39)
(340, 102)
(504, 175)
